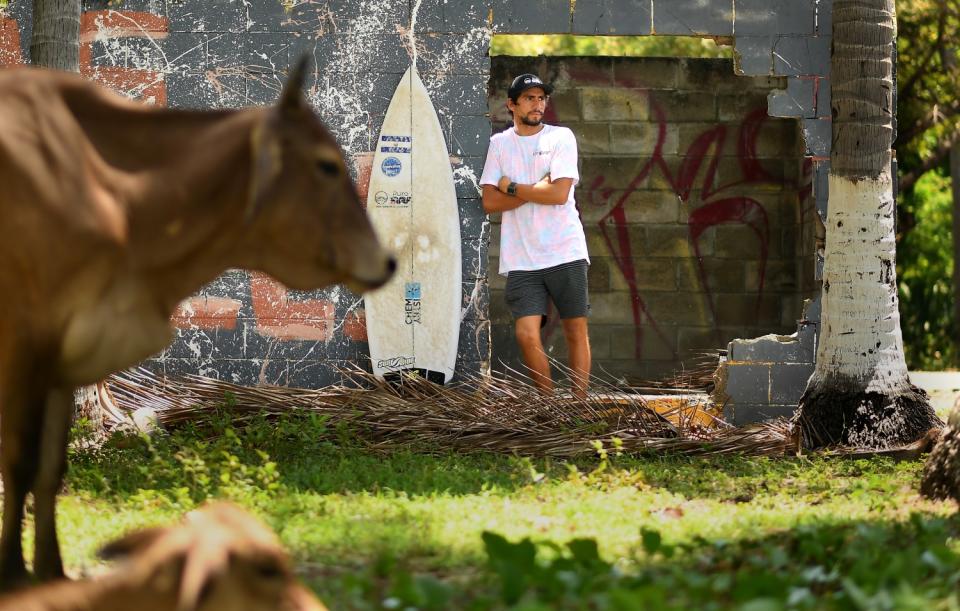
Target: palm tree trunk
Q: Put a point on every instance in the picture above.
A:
(860, 393)
(56, 34)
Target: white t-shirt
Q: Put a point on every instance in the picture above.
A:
(537, 236)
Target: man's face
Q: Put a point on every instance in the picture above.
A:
(529, 107)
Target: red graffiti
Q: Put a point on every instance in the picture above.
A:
(697, 173)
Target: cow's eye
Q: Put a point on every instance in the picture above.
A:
(328, 168)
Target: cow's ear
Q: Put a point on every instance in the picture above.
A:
(292, 95)
(267, 161)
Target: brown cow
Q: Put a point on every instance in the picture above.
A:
(111, 213)
(219, 559)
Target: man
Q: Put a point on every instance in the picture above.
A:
(529, 176)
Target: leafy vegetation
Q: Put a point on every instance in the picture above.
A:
(615, 46)
(928, 115)
(407, 530)
(925, 274)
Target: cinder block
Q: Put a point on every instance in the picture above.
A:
(802, 56)
(454, 53)
(753, 55)
(824, 17)
(475, 254)
(609, 104)
(466, 177)
(667, 308)
(598, 274)
(821, 182)
(591, 137)
(817, 135)
(654, 345)
(623, 17)
(769, 17)
(473, 223)
(720, 275)
(467, 15)
(680, 106)
(475, 341)
(199, 91)
(459, 95)
(430, 16)
(748, 384)
(649, 275)
(186, 52)
(687, 17)
(767, 349)
(756, 18)
(470, 135)
(475, 302)
(310, 374)
(812, 309)
(211, 16)
(712, 75)
(652, 207)
(742, 414)
(808, 333)
(532, 17)
(643, 138)
(747, 310)
(823, 98)
(646, 73)
(666, 241)
(799, 99)
(788, 381)
(566, 105)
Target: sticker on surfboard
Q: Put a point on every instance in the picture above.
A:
(413, 322)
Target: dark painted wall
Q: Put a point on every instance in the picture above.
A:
(227, 53)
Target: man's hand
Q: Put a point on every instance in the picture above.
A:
(496, 201)
(503, 183)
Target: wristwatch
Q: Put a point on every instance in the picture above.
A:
(512, 188)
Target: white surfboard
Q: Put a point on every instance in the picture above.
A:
(413, 322)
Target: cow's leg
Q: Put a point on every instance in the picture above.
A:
(57, 415)
(20, 425)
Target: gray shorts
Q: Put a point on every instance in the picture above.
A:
(566, 284)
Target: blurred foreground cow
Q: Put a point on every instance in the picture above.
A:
(111, 213)
(219, 559)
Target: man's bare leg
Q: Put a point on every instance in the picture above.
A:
(578, 346)
(531, 347)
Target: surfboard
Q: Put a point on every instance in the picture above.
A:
(413, 322)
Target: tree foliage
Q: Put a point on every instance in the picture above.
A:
(607, 46)
(928, 111)
(928, 106)
(925, 268)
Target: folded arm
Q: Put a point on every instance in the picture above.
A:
(548, 192)
(495, 201)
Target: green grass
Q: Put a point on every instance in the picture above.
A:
(406, 530)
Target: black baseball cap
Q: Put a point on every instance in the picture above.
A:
(524, 82)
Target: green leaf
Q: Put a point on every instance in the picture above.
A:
(652, 541)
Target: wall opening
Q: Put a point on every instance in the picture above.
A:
(696, 203)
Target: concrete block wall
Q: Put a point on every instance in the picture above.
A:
(228, 53)
(691, 197)
(765, 377)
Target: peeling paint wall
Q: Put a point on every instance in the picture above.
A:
(231, 53)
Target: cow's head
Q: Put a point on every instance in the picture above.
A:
(303, 204)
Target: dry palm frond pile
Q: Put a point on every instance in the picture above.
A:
(477, 414)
